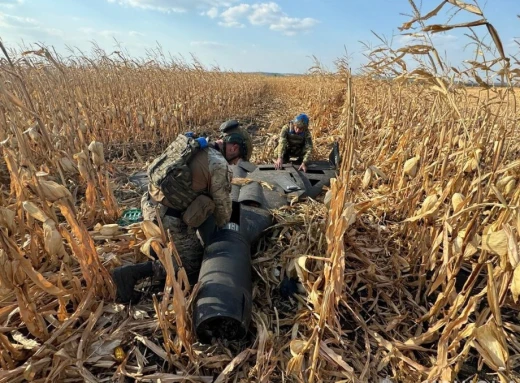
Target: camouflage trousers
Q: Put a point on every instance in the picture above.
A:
(185, 238)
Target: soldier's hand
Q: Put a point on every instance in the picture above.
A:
(303, 167)
(278, 163)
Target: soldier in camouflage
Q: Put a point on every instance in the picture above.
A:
(186, 193)
(295, 141)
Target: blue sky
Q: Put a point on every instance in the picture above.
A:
(242, 35)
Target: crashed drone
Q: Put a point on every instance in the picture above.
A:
(223, 305)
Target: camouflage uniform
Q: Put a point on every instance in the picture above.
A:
(189, 188)
(209, 195)
(294, 144)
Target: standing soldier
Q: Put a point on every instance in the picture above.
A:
(295, 141)
(189, 187)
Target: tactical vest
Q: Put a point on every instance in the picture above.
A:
(295, 142)
(171, 174)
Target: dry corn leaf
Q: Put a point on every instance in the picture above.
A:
(457, 201)
(470, 165)
(95, 274)
(33, 133)
(512, 246)
(441, 28)
(150, 229)
(27, 267)
(34, 211)
(429, 203)
(53, 191)
(510, 187)
(110, 230)
(7, 220)
(149, 245)
(82, 159)
(297, 346)
(237, 361)
(28, 344)
(487, 342)
(471, 247)
(492, 295)
(327, 198)
(244, 181)
(53, 241)
(378, 172)
(367, 178)
(515, 284)
(496, 243)
(96, 148)
(468, 7)
(411, 166)
(335, 358)
(428, 209)
(173, 378)
(504, 181)
(159, 351)
(241, 181)
(67, 165)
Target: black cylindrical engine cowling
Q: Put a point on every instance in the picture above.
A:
(222, 308)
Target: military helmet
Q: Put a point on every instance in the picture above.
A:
(232, 132)
(301, 120)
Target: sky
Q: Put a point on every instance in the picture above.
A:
(279, 36)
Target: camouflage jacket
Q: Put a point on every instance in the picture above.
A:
(211, 176)
(296, 145)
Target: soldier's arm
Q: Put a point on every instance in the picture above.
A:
(220, 190)
(282, 145)
(307, 149)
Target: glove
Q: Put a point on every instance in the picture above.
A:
(202, 142)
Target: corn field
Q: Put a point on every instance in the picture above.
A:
(408, 270)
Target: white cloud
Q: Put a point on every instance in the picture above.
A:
(231, 24)
(266, 14)
(53, 31)
(176, 6)
(136, 34)
(17, 24)
(10, 3)
(231, 15)
(291, 26)
(106, 33)
(11, 21)
(259, 14)
(212, 12)
(210, 44)
(87, 31)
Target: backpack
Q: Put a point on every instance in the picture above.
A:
(171, 174)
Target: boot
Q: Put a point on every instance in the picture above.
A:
(126, 277)
(192, 271)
